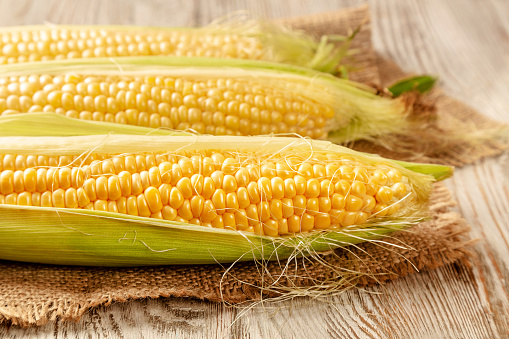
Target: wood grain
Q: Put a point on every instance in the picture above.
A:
(466, 43)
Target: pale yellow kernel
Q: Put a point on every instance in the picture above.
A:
(306, 170)
(7, 182)
(169, 213)
(230, 166)
(277, 187)
(71, 198)
(176, 174)
(218, 178)
(176, 198)
(153, 198)
(252, 214)
(185, 211)
(276, 209)
(312, 188)
(20, 162)
(41, 180)
(287, 207)
(218, 222)
(132, 205)
(243, 197)
(165, 169)
(325, 204)
(312, 206)
(300, 184)
(82, 197)
(143, 207)
(209, 211)
(353, 203)
(289, 188)
(283, 170)
(9, 162)
(307, 222)
(264, 186)
(185, 186)
(101, 187)
(232, 202)
(322, 221)
(268, 170)
(368, 203)
(229, 183)
(299, 204)
(24, 199)
(242, 177)
(136, 184)
(11, 199)
(399, 190)
(241, 220)
(208, 188)
(64, 177)
(58, 198)
(187, 167)
(326, 188)
(336, 216)
(30, 179)
(342, 187)
(384, 195)
(18, 182)
(349, 218)
(124, 181)
(154, 177)
(229, 221)
(379, 178)
(197, 204)
(361, 218)
(358, 189)
(294, 224)
(264, 211)
(254, 192)
(394, 175)
(46, 199)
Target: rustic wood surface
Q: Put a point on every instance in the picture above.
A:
(466, 43)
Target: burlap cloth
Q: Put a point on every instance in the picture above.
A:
(33, 294)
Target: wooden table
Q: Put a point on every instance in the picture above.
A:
(466, 43)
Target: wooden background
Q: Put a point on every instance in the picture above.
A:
(465, 43)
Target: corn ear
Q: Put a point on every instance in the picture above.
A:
(209, 96)
(231, 37)
(102, 238)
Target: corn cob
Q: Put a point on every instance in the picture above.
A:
(245, 39)
(209, 96)
(280, 190)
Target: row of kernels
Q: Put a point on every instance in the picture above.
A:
(51, 45)
(21, 162)
(40, 180)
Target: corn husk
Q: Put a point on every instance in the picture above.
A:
(96, 238)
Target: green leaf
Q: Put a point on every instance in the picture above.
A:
(422, 84)
(95, 238)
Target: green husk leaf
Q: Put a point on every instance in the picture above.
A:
(94, 238)
(422, 84)
(50, 124)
